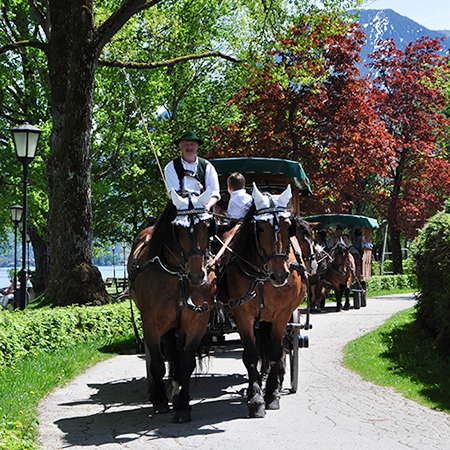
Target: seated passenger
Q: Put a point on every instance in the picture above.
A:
(240, 201)
(339, 237)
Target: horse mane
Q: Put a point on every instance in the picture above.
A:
(163, 232)
(245, 235)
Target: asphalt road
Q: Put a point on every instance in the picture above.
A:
(105, 408)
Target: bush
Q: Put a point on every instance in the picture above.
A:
(391, 283)
(431, 254)
(22, 332)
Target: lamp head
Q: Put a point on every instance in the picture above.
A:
(26, 138)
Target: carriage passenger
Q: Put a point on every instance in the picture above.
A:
(191, 173)
(339, 237)
(358, 244)
(240, 201)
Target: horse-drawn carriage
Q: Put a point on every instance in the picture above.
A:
(260, 282)
(361, 254)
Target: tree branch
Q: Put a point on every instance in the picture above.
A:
(23, 44)
(119, 18)
(167, 63)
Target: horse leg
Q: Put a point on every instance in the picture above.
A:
(338, 293)
(273, 384)
(255, 400)
(277, 369)
(184, 369)
(347, 298)
(157, 389)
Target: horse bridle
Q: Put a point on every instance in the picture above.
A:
(181, 271)
(190, 213)
(274, 211)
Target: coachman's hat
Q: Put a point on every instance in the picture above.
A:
(189, 136)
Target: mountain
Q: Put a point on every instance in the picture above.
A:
(386, 23)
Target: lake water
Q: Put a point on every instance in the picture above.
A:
(106, 271)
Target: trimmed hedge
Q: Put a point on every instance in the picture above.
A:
(431, 253)
(22, 332)
(391, 283)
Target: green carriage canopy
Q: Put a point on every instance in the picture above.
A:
(346, 220)
(267, 173)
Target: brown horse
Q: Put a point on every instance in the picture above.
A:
(340, 274)
(316, 261)
(262, 284)
(174, 289)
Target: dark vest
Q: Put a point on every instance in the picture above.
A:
(199, 175)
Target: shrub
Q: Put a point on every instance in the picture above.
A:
(431, 254)
(391, 283)
(22, 332)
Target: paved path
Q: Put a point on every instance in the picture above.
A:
(105, 407)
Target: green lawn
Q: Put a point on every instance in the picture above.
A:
(401, 355)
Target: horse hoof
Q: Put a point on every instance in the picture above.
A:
(257, 411)
(273, 404)
(181, 416)
(161, 408)
(346, 307)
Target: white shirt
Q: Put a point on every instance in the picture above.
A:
(192, 184)
(239, 204)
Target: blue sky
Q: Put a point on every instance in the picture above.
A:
(432, 14)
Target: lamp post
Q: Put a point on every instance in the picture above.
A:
(26, 138)
(124, 246)
(16, 215)
(113, 248)
(28, 252)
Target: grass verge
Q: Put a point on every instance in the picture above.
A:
(32, 378)
(400, 354)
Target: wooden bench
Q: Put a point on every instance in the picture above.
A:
(110, 281)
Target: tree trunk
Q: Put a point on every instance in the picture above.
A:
(396, 247)
(72, 62)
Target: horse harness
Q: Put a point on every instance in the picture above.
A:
(260, 276)
(185, 299)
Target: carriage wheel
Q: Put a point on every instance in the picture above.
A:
(294, 335)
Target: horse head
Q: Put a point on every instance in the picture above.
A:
(192, 228)
(272, 229)
(340, 255)
(303, 233)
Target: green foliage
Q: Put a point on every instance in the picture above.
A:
(391, 283)
(28, 331)
(431, 254)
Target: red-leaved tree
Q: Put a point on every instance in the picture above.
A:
(306, 102)
(407, 95)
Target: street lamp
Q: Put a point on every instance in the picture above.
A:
(124, 246)
(28, 252)
(26, 138)
(16, 215)
(113, 248)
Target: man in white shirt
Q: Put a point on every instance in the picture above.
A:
(190, 172)
(240, 201)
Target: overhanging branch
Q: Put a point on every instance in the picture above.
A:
(166, 63)
(23, 44)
